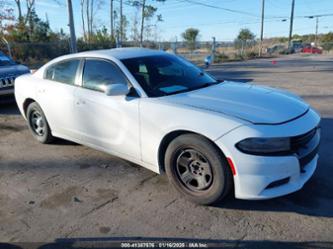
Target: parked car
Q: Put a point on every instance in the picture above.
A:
(162, 112)
(9, 70)
(311, 50)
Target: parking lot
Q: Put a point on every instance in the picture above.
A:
(65, 190)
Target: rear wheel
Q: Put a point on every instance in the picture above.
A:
(38, 124)
(198, 169)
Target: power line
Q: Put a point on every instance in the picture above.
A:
(221, 8)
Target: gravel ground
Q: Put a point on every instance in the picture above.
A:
(63, 191)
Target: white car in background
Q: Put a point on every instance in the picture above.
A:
(162, 112)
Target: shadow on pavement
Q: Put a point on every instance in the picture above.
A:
(9, 109)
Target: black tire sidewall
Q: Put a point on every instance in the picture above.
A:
(222, 178)
(47, 137)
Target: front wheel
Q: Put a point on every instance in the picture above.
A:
(197, 169)
(38, 124)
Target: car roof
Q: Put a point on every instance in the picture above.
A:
(120, 53)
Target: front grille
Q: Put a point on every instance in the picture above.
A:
(306, 147)
(302, 140)
(7, 81)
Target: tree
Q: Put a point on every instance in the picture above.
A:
(190, 36)
(121, 25)
(89, 9)
(6, 15)
(244, 36)
(36, 30)
(30, 6)
(147, 12)
(327, 41)
(327, 37)
(135, 33)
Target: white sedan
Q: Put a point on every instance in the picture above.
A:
(162, 112)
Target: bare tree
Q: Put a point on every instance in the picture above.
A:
(82, 2)
(89, 9)
(30, 6)
(147, 12)
(135, 33)
(19, 9)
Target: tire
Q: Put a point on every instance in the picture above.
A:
(200, 155)
(38, 124)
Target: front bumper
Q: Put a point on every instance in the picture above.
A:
(265, 177)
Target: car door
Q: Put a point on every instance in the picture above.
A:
(55, 94)
(107, 122)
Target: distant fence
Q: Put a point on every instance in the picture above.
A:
(36, 54)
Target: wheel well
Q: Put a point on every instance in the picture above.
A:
(26, 103)
(167, 140)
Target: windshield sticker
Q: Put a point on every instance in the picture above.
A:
(175, 88)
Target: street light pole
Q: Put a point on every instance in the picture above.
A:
(71, 26)
(262, 26)
(291, 23)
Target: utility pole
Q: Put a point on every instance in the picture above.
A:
(142, 22)
(317, 23)
(121, 24)
(71, 26)
(291, 23)
(262, 26)
(111, 16)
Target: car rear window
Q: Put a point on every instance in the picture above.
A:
(64, 72)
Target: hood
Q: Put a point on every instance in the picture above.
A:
(13, 70)
(258, 105)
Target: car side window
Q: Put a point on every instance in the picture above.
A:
(64, 72)
(97, 74)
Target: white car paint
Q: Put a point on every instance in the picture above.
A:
(133, 128)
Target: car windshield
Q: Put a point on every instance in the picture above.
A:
(163, 75)
(5, 60)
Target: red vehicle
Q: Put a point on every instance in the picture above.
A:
(311, 50)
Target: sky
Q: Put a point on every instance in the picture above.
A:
(212, 22)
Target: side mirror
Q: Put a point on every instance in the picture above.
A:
(116, 90)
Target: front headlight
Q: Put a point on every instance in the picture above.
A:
(264, 146)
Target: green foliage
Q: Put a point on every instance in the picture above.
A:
(327, 37)
(99, 40)
(35, 30)
(327, 46)
(190, 36)
(245, 35)
(244, 40)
